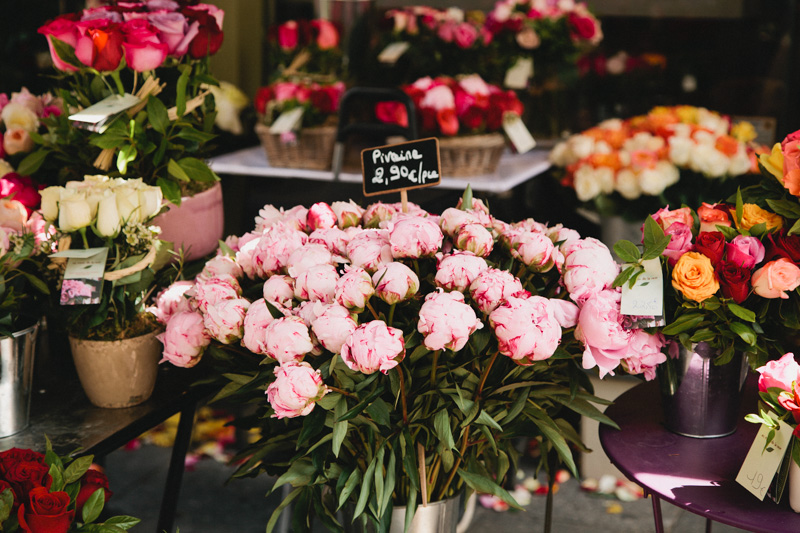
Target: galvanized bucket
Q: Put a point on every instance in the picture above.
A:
(16, 379)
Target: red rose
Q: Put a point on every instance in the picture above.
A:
(100, 47)
(448, 121)
(22, 189)
(288, 35)
(25, 476)
(783, 245)
(583, 28)
(13, 456)
(323, 100)
(392, 113)
(734, 280)
(792, 137)
(427, 119)
(262, 98)
(46, 512)
(473, 117)
(90, 482)
(209, 35)
(63, 28)
(711, 244)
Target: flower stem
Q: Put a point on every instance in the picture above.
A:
(391, 314)
(403, 394)
(372, 310)
(461, 453)
(433, 369)
(340, 391)
(485, 375)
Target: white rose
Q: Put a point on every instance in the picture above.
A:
(709, 161)
(611, 124)
(628, 184)
(581, 146)
(456, 14)
(438, 98)
(713, 121)
(654, 181)
(740, 163)
(680, 150)
(586, 183)
(150, 200)
(5, 168)
(560, 155)
(502, 11)
(17, 116)
(474, 84)
(616, 64)
(49, 205)
(128, 204)
(74, 212)
(108, 221)
(644, 141)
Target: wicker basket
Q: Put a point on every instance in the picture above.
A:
(313, 149)
(471, 155)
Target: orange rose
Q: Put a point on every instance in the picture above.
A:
(727, 145)
(753, 215)
(694, 277)
(791, 167)
(712, 216)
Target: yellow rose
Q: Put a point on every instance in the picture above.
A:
(694, 277)
(743, 131)
(773, 163)
(752, 215)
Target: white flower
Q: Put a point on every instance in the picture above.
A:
(654, 181)
(628, 184)
(589, 182)
(709, 161)
(680, 150)
(5, 168)
(17, 116)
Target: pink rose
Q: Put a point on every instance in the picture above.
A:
(644, 354)
(318, 283)
(224, 320)
(256, 321)
(465, 35)
(215, 290)
(308, 256)
(354, 289)
(327, 35)
(783, 374)
(415, 237)
(395, 282)
(680, 243)
(475, 238)
(347, 213)
(447, 31)
(218, 266)
(288, 35)
(601, 330)
(458, 270)
(588, 268)
(745, 251)
(334, 239)
(377, 213)
(369, 249)
(17, 141)
(279, 291)
(536, 250)
(526, 331)
(287, 339)
(285, 90)
(333, 327)
(320, 215)
(172, 300)
(295, 391)
(63, 29)
(374, 346)
(446, 321)
(174, 30)
(144, 56)
(184, 339)
(492, 287)
(776, 278)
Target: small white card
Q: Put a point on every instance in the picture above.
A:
(287, 121)
(393, 52)
(761, 464)
(83, 276)
(517, 76)
(646, 297)
(96, 116)
(517, 133)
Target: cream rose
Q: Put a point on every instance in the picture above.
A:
(16, 116)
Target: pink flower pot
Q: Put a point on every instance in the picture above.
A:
(196, 225)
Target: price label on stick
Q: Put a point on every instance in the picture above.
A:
(403, 166)
(764, 459)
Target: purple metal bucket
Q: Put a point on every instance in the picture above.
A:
(700, 399)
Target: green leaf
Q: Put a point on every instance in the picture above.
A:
(273, 520)
(624, 275)
(197, 170)
(380, 411)
(36, 283)
(31, 163)
(300, 473)
(627, 251)
(682, 323)
(180, 89)
(340, 426)
(6, 501)
(125, 155)
(65, 52)
(741, 312)
(366, 489)
(657, 248)
(485, 485)
(653, 234)
(785, 208)
(466, 198)
(389, 482)
(739, 207)
(411, 508)
(170, 190)
(157, 113)
(441, 425)
(93, 506)
(745, 332)
(177, 171)
(352, 482)
(122, 521)
(193, 135)
(704, 334)
(379, 475)
(728, 232)
(77, 469)
(793, 231)
(487, 420)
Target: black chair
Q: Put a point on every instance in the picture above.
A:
(358, 103)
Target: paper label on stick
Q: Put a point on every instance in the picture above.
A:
(287, 121)
(763, 460)
(83, 277)
(393, 52)
(519, 135)
(517, 76)
(96, 117)
(646, 297)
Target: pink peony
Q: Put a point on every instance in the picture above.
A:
(588, 268)
(287, 339)
(184, 339)
(172, 300)
(395, 282)
(347, 213)
(744, 251)
(333, 327)
(256, 321)
(318, 283)
(446, 321)
(644, 354)
(492, 287)
(680, 243)
(600, 329)
(354, 289)
(377, 213)
(334, 239)
(320, 216)
(415, 237)
(220, 265)
(374, 346)
(295, 391)
(534, 249)
(308, 256)
(474, 238)
(216, 289)
(776, 278)
(224, 320)
(369, 249)
(458, 270)
(566, 313)
(783, 374)
(268, 254)
(279, 291)
(452, 219)
(526, 331)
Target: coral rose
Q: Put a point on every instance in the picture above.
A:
(694, 277)
(776, 278)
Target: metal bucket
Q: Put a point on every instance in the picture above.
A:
(16, 379)
(701, 399)
(437, 517)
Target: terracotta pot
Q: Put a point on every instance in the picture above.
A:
(196, 225)
(117, 373)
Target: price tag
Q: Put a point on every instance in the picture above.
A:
(287, 121)
(517, 76)
(646, 297)
(98, 116)
(393, 52)
(83, 276)
(401, 166)
(519, 135)
(763, 460)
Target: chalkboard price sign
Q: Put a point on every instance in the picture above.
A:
(399, 167)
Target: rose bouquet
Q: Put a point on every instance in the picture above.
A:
(149, 62)
(21, 116)
(319, 101)
(401, 352)
(670, 156)
(44, 493)
(305, 48)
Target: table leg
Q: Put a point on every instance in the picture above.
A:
(659, 521)
(169, 502)
(708, 525)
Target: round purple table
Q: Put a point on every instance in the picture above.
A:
(698, 475)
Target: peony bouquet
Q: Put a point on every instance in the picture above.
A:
(43, 493)
(670, 156)
(402, 352)
(107, 216)
(454, 106)
(305, 48)
(147, 61)
(319, 101)
(724, 280)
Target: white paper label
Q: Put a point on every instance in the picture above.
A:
(83, 277)
(393, 52)
(646, 297)
(517, 76)
(763, 461)
(97, 116)
(517, 133)
(287, 121)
